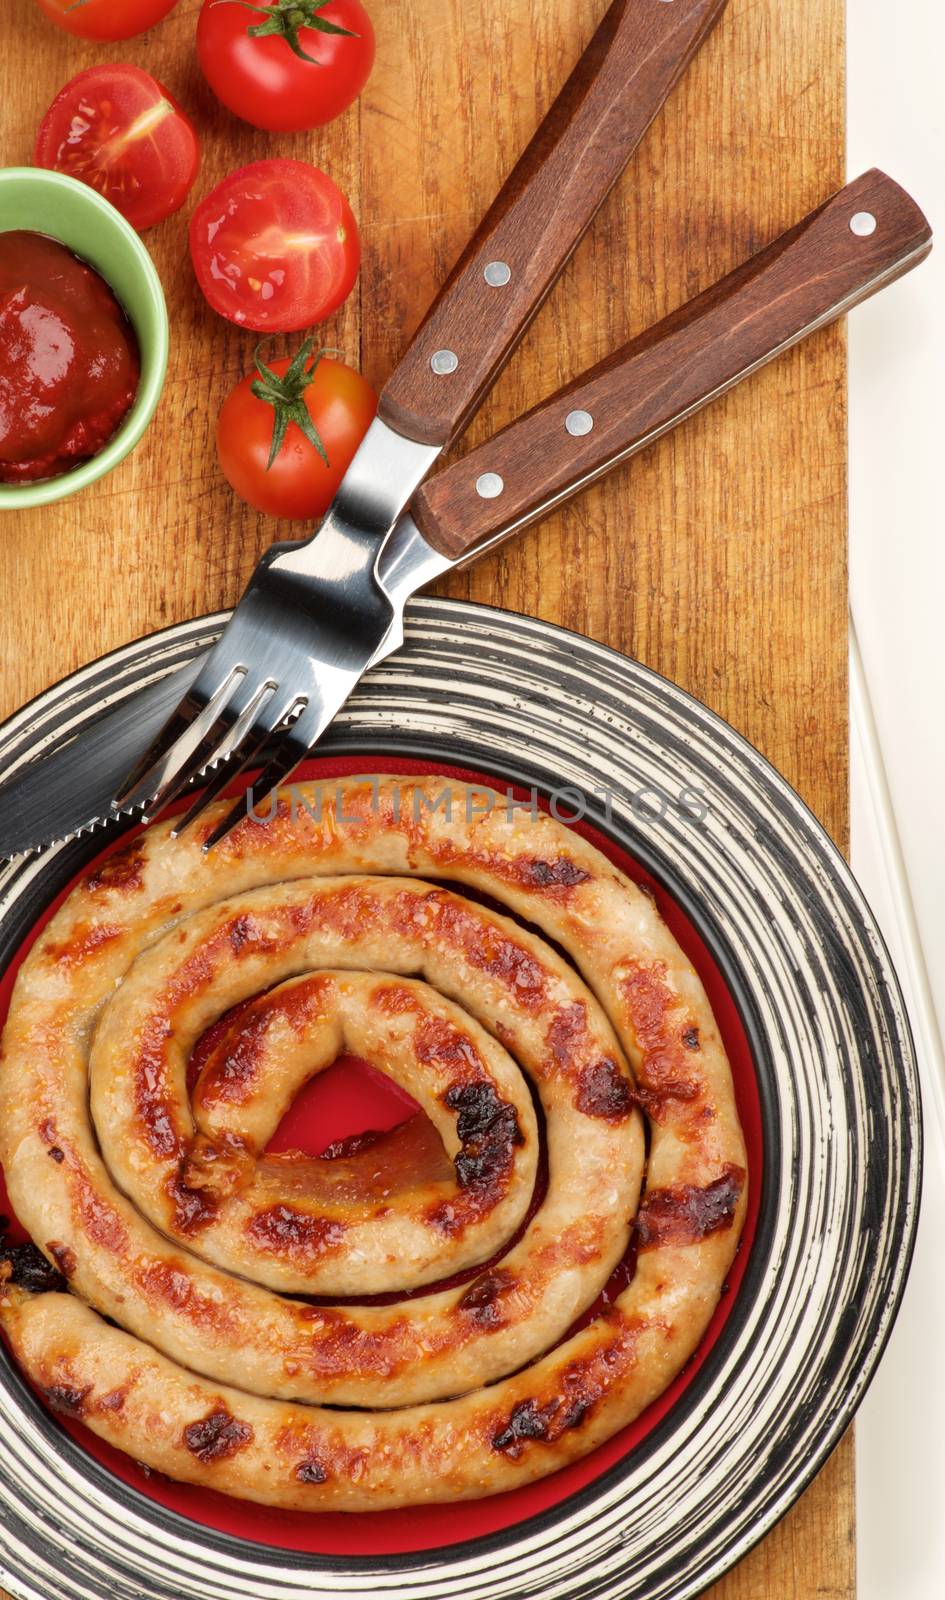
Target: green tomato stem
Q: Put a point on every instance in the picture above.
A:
(286, 396)
(284, 18)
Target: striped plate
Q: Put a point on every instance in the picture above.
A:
(754, 873)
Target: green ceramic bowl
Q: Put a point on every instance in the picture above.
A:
(48, 202)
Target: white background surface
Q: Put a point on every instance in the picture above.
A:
(896, 55)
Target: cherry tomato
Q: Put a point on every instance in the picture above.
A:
(275, 246)
(120, 131)
(105, 19)
(286, 64)
(286, 434)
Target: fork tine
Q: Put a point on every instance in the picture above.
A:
(293, 750)
(225, 734)
(185, 726)
(248, 749)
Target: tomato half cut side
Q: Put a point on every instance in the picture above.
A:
(105, 19)
(275, 246)
(121, 132)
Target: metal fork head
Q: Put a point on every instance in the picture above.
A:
(405, 565)
(296, 639)
(309, 623)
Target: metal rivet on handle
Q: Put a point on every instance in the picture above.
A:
(578, 423)
(489, 486)
(863, 224)
(497, 274)
(444, 362)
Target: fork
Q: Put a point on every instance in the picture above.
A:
(315, 614)
(262, 674)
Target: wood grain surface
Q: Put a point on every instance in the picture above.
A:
(718, 556)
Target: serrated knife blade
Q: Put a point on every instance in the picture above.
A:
(68, 790)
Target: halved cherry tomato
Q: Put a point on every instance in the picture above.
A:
(275, 246)
(286, 64)
(286, 434)
(105, 19)
(120, 131)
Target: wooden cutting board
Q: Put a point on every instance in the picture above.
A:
(718, 557)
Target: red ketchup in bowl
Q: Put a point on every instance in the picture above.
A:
(69, 361)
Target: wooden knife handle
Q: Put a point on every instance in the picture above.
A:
(868, 234)
(636, 56)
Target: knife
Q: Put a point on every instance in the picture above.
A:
(863, 238)
(314, 615)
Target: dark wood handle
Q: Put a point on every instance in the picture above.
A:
(864, 237)
(639, 51)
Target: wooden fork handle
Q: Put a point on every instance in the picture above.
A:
(639, 51)
(868, 234)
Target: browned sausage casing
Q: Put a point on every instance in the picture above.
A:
(329, 928)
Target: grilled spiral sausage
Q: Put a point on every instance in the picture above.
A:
(321, 929)
(286, 1222)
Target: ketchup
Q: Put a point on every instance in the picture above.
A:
(69, 363)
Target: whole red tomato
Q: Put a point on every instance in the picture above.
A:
(105, 19)
(286, 434)
(286, 64)
(121, 132)
(275, 246)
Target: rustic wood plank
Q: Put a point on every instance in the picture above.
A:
(747, 502)
(811, 1555)
(718, 557)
